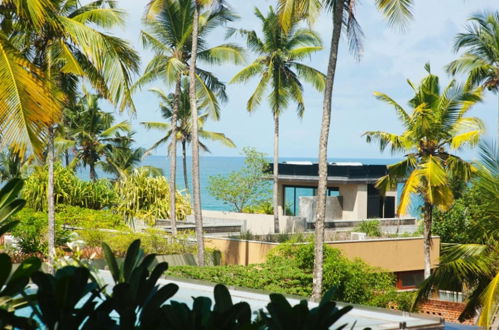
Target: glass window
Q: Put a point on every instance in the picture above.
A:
(411, 279)
(292, 196)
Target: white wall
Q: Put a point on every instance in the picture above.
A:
(259, 224)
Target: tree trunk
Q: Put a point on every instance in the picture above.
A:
(428, 217)
(93, 173)
(66, 158)
(184, 164)
(276, 172)
(51, 201)
(173, 160)
(323, 142)
(196, 191)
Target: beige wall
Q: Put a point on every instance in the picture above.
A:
(236, 252)
(395, 255)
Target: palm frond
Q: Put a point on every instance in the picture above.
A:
(28, 104)
(398, 12)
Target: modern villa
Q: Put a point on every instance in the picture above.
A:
(352, 194)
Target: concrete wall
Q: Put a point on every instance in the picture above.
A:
(308, 208)
(395, 255)
(258, 224)
(354, 201)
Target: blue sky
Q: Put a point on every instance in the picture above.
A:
(390, 57)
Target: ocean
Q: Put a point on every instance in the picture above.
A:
(211, 165)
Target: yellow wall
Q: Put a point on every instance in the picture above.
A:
(395, 255)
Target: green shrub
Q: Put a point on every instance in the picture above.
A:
(148, 198)
(68, 189)
(260, 207)
(394, 300)
(87, 218)
(370, 227)
(31, 232)
(153, 240)
(467, 220)
(244, 190)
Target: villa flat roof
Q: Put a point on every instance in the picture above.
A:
(337, 172)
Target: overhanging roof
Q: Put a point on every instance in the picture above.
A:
(336, 172)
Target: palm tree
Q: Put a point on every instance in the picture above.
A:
(183, 130)
(215, 6)
(169, 34)
(436, 125)
(279, 70)
(63, 41)
(343, 19)
(93, 130)
(474, 267)
(481, 57)
(121, 157)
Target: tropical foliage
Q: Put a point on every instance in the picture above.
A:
(246, 187)
(92, 130)
(436, 126)
(469, 213)
(183, 130)
(10, 204)
(178, 36)
(121, 157)
(69, 189)
(480, 60)
(29, 102)
(473, 267)
(147, 197)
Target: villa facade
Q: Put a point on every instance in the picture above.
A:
(351, 194)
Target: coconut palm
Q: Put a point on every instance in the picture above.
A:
(436, 126)
(93, 130)
(121, 157)
(64, 46)
(280, 71)
(169, 34)
(474, 267)
(183, 130)
(214, 6)
(481, 57)
(343, 21)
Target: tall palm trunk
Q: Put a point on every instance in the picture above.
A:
(276, 172)
(173, 160)
(428, 217)
(93, 173)
(326, 121)
(196, 191)
(184, 164)
(50, 200)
